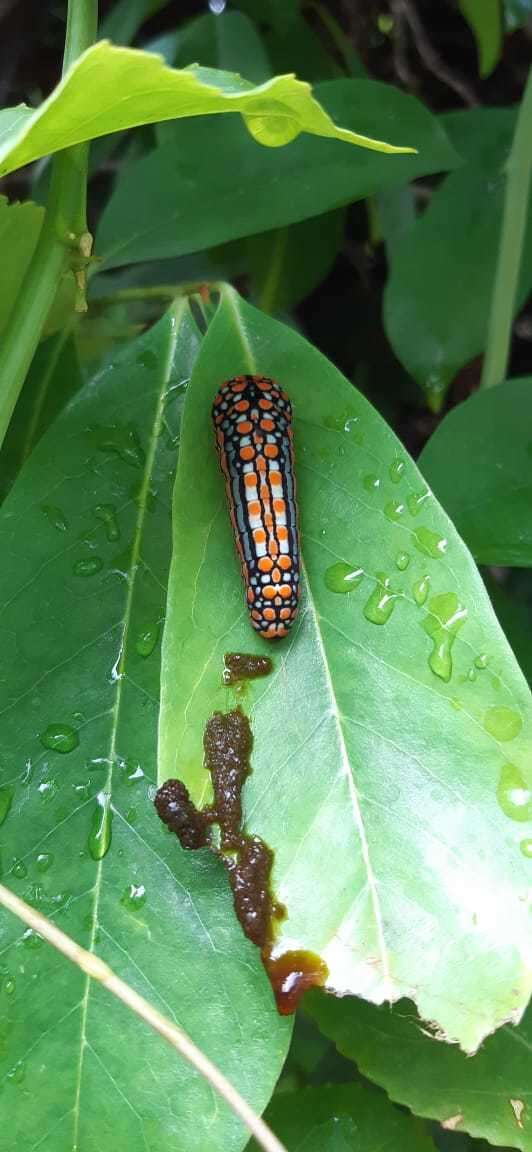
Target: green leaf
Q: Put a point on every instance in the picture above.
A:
(85, 542)
(275, 112)
(436, 303)
(288, 264)
(487, 1095)
(485, 20)
(382, 750)
(54, 377)
(517, 13)
(479, 464)
(342, 1118)
(20, 225)
(209, 182)
(229, 41)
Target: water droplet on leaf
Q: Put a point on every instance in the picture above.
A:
(342, 577)
(402, 560)
(272, 131)
(415, 502)
(107, 514)
(430, 543)
(420, 590)
(526, 848)
(44, 861)
(371, 482)
(514, 798)
(443, 622)
(89, 566)
(19, 869)
(55, 516)
(396, 470)
(60, 738)
(133, 897)
(394, 511)
(146, 640)
(101, 828)
(503, 723)
(381, 603)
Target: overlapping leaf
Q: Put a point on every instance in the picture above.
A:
(84, 106)
(479, 464)
(487, 1095)
(208, 181)
(85, 541)
(341, 1117)
(391, 760)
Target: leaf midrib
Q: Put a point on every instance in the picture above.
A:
(107, 786)
(345, 760)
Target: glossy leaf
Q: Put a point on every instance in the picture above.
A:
(20, 225)
(229, 41)
(437, 323)
(342, 1118)
(209, 182)
(286, 265)
(85, 541)
(479, 464)
(54, 377)
(276, 112)
(487, 1095)
(485, 20)
(382, 739)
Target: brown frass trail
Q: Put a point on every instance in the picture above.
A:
(177, 811)
(243, 666)
(227, 742)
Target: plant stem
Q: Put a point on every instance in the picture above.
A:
(96, 969)
(514, 222)
(63, 241)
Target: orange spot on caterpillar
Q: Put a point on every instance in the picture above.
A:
(285, 613)
(242, 406)
(279, 506)
(271, 451)
(269, 592)
(268, 613)
(247, 453)
(267, 425)
(284, 562)
(265, 564)
(259, 535)
(250, 479)
(243, 427)
(265, 404)
(254, 507)
(285, 591)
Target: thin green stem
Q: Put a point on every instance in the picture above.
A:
(63, 242)
(515, 212)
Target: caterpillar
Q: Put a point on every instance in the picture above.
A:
(252, 417)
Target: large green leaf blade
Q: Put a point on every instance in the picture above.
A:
(365, 754)
(85, 540)
(437, 322)
(275, 111)
(486, 1095)
(341, 1117)
(209, 181)
(478, 463)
